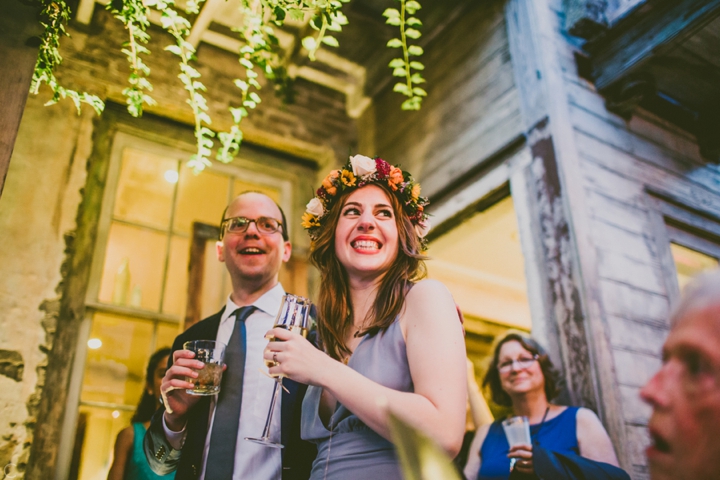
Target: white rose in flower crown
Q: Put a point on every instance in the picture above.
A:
(362, 165)
(422, 228)
(315, 207)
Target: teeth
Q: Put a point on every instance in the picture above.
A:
(366, 244)
(251, 250)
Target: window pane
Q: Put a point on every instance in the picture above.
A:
(481, 263)
(144, 195)
(115, 369)
(95, 437)
(175, 297)
(239, 186)
(201, 198)
(166, 334)
(134, 262)
(689, 263)
(216, 283)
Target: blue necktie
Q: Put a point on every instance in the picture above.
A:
(223, 439)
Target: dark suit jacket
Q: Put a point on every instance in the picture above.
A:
(551, 465)
(297, 456)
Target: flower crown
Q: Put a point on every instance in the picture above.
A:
(361, 171)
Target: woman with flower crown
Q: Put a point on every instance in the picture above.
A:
(391, 341)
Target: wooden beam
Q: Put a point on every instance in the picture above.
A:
(19, 26)
(645, 33)
(585, 18)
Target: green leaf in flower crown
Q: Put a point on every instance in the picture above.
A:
(415, 50)
(396, 63)
(332, 41)
(394, 43)
(417, 66)
(394, 21)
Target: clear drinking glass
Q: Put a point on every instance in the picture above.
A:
(517, 431)
(211, 353)
(294, 315)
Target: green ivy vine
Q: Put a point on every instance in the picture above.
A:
(260, 54)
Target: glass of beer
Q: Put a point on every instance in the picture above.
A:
(211, 353)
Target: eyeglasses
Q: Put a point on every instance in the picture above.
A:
(264, 225)
(522, 363)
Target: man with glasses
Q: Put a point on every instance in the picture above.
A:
(204, 437)
(685, 393)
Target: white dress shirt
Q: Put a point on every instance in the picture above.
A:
(252, 461)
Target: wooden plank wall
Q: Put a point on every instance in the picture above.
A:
(619, 162)
(472, 110)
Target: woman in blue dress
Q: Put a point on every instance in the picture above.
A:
(521, 376)
(129, 461)
(391, 341)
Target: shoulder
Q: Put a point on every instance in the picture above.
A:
(201, 328)
(126, 436)
(586, 418)
(426, 287)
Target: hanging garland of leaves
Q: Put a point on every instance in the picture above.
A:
(260, 53)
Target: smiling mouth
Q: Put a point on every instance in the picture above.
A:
(367, 245)
(251, 251)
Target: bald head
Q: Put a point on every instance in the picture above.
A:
(702, 292)
(256, 194)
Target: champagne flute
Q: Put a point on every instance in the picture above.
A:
(294, 317)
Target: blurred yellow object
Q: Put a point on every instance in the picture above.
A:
(420, 457)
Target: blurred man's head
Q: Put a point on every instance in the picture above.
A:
(685, 393)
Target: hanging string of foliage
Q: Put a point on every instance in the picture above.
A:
(260, 54)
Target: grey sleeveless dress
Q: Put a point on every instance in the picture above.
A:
(354, 451)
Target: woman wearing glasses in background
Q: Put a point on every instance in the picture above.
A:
(521, 376)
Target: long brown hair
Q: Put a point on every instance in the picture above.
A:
(335, 310)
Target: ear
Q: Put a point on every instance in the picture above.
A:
(287, 251)
(219, 249)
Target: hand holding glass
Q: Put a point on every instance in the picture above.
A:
(294, 317)
(517, 431)
(211, 353)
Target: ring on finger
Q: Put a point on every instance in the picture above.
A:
(275, 358)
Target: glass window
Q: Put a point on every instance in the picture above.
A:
(134, 264)
(201, 198)
(689, 263)
(144, 194)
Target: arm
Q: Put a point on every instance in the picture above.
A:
(472, 467)
(123, 447)
(593, 440)
(436, 356)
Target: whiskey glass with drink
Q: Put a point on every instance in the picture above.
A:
(294, 316)
(211, 353)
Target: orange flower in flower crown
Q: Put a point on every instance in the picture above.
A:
(357, 173)
(395, 178)
(328, 182)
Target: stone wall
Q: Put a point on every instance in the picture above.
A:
(48, 171)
